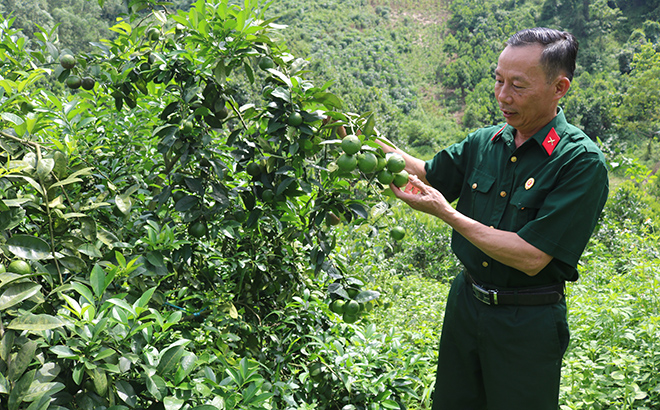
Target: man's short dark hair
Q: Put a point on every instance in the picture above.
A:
(560, 49)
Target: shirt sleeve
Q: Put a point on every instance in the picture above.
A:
(446, 171)
(571, 210)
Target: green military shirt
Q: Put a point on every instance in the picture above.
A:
(550, 191)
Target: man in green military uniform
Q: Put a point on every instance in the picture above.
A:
(529, 195)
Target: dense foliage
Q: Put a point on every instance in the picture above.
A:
(175, 226)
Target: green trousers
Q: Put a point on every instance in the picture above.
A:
(499, 357)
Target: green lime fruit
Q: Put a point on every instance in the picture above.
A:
(316, 371)
(73, 82)
(60, 163)
(401, 178)
(186, 127)
(178, 195)
(368, 306)
(396, 163)
(19, 266)
(88, 83)
(352, 292)
(367, 162)
(397, 233)
(153, 34)
(352, 307)
(2, 268)
(198, 229)
(331, 219)
(265, 63)
(253, 169)
(385, 177)
(27, 107)
(295, 119)
(268, 195)
(351, 144)
(347, 163)
(67, 61)
(337, 306)
(382, 163)
(348, 318)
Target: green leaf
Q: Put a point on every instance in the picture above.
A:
(38, 389)
(35, 323)
(286, 80)
(29, 247)
(367, 295)
(172, 403)
(6, 344)
(44, 167)
(124, 203)
(105, 353)
(20, 388)
(205, 407)
(282, 94)
(124, 305)
(64, 352)
(5, 386)
(90, 250)
(42, 402)
(170, 359)
(83, 291)
(145, 298)
(97, 280)
(22, 360)
(73, 264)
(18, 293)
(88, 228)
(156, 386)
(390, 404)
(100, 381)
(328, 99)
(368, 129)
(13, 118)
(126, 393)
(106, 237)
(12, 218)
(69, 180)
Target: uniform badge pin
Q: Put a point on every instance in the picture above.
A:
(529, 183)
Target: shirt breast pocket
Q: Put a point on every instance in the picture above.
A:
(481, 184)
(526, 205)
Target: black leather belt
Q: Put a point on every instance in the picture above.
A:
(542, 295)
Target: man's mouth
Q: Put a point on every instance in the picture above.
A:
(507, 113)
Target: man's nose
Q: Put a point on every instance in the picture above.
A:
(503, 93)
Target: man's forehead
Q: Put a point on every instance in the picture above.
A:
(519, 61)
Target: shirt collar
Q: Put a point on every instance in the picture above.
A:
(546, 137)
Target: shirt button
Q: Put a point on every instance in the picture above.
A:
(503, 194)
(474, 186)
(514, 158)
(484, 264)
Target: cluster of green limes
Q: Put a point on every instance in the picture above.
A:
(74, 81)
(350, 310)
(388, 168)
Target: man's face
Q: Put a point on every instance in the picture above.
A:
(526, 98)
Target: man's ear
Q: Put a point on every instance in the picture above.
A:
(562, 85)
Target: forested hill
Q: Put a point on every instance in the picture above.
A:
(425, 67)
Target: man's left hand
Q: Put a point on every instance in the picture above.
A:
(423, 198)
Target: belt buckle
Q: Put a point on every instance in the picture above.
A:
(488, 297)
